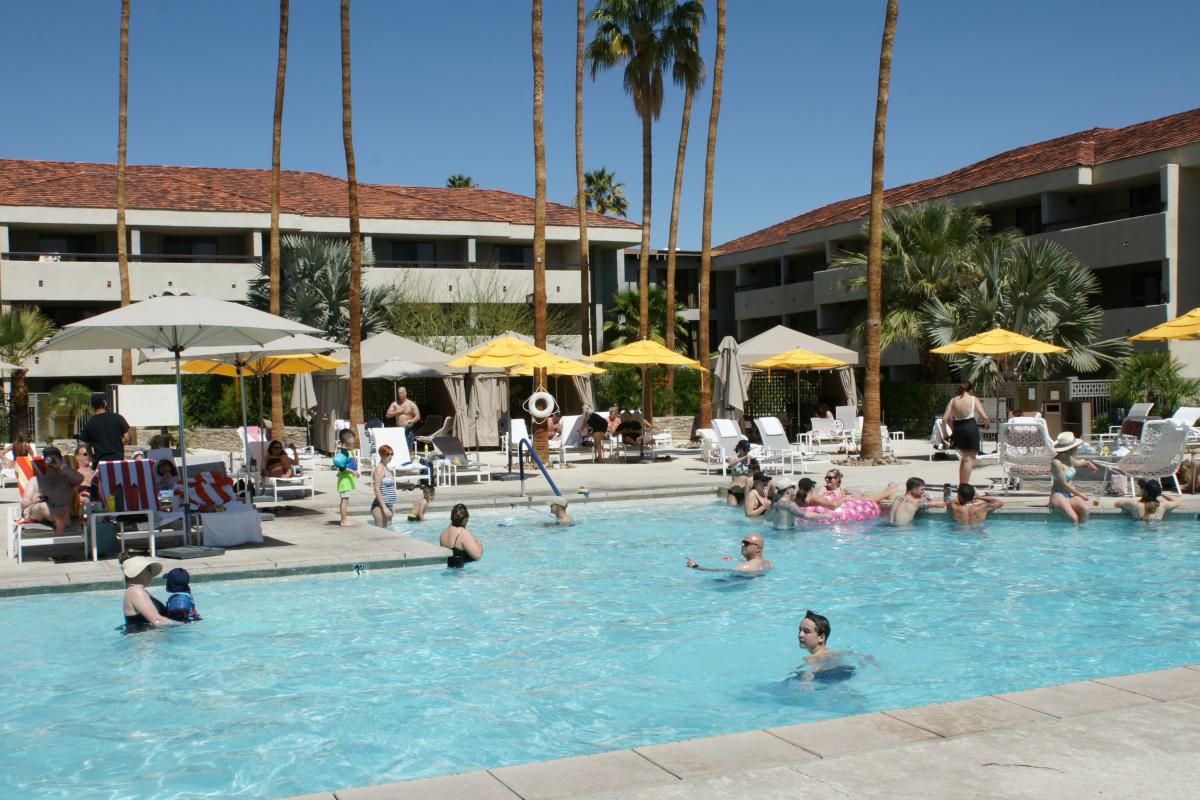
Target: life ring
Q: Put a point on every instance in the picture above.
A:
(540, 405)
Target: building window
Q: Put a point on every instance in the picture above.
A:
(1132, 285)
(1145, 200)
(513, 254)
(1029, 219)
(65, 244)
(413, 252)
(189, 248)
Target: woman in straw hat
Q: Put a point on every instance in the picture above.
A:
(1065, 497)
(142, 611)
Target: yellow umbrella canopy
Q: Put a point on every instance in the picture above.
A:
(997, 342)
(1185, 326)
(799, 359)
(563, 366)
(644, 353)
(502, 353)
(295, 364)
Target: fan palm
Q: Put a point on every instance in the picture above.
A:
(1035, 288)
(355, 322)
(623, 326)
(1153, 376)
(604, 194)
(22, 330)
(276, 136)
(458, 181)
(314, 287)
(710, 154)
(72, 399)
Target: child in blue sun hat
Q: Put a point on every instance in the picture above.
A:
(181, 607)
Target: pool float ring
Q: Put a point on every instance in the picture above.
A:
(540, 405)
(855, 509)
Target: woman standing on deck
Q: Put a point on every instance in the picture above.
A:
(962, 418)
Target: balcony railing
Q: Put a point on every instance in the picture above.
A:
(1108, 216)
(160, 258)
(388, 263)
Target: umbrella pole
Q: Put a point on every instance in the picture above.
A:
(245, 437)
(187, 520)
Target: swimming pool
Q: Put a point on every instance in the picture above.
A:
(563, 642)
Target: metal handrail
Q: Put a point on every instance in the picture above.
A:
(1109, 216)
(528, 445)
(140, 257)
(413, 263)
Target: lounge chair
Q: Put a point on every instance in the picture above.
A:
(517, 431)
(402, 462)
(455, 463)
(939, 440)
(1025, 450)
(822, 431)
(777, 448)
(132, 482)
(1157, 455)
(426, 433)
(24, 532)
(710, 448)
(571, 440)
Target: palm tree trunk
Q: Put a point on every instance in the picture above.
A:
(673, 238)
(356, 386)
(19, 414)
(122, 145)
(585, 303)
(540, 440)
(273, 252)
(644, 255)
(872, 444)
(714, 113)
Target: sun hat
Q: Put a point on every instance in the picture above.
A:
(136, 565)
(178, 580)
(1066, 441)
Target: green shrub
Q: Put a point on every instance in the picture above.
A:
(909, 406)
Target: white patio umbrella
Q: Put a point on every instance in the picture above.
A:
(176, 323)
(399, 368)
(729, 389)
(242, 355)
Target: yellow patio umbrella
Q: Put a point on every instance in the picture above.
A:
(562, 366)
(1185, 326)
(644, 353)
(502, 353)
(997, 342)
(799, 359)
(296, 364)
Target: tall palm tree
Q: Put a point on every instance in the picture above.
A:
(622, 325)
(714, 113)
(872, 443)
(356, 386)
(459, 181)
(604, 194)
(673, 235)
(273, 252)
(540, 438)
(22, 330)
(581, 203)
(122, 145)
(647, 37)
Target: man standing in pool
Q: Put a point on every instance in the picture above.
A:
(906, 506)
(969, 508)
(752, 552)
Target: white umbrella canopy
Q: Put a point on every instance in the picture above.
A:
(175, 323)
(399, 368)
(729, 395)
(282, 346)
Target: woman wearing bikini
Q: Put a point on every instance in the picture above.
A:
(1065, 497)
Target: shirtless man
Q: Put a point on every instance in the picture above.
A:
(905, 507)
(558, 509)
(752, 552)
(50, 496)
(405, 414)
(969, 509)
(821, 663)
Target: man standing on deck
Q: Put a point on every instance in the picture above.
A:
(405, 414)
(106, 432)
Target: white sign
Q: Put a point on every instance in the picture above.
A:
(148, 406)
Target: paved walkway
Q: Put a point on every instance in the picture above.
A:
(1130, 736)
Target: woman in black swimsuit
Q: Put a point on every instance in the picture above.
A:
(142, 610)
(963, 415)
(463, 545)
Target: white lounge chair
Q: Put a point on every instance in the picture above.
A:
(1157, 455)
(571, 440)
(402, 462)
(822, 431)
(1025, 449)
(455, 463)
(776, 446)
(939, 440)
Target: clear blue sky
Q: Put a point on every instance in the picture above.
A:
(445, 87)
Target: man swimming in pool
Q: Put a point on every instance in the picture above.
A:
(752, 552)
(914, 499)
(821, 664)
(968, 508)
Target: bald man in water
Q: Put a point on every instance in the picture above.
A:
(752, 552)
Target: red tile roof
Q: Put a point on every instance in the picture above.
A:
(82, 185)
(1086, 148)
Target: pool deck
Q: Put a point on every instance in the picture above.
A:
(305, 537)
(1128, 736)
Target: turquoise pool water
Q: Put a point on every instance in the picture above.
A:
(569, 641)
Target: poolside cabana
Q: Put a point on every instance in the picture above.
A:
(782, 338)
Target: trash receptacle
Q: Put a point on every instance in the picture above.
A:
(106, 539)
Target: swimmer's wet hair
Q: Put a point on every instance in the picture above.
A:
(822, 624)
(913, 483)
(459, 515)
(966, 492)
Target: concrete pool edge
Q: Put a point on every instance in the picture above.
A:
(736, 765)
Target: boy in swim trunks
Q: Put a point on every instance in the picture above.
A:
(969, 509)
(905, 507)
(347, 477)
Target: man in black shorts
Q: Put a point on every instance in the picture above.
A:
(106, 432)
